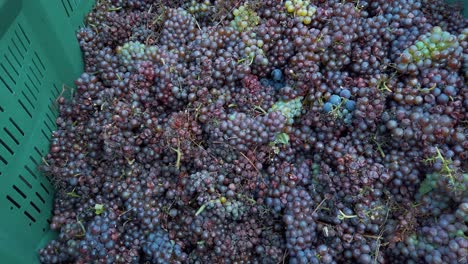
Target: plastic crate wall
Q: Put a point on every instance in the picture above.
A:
(463, 3)
(39, 54)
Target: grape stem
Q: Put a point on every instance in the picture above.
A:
(45, 162)
(73, 194)
(203, 207)
(78, 221)
(446, 170)
(179, 154)
(379, 146)
(256, 107)
(114, 9)
(343, 216)
(251, 163)
(318, 206)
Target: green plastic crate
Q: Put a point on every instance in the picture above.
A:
(39, 54)
(464, 3)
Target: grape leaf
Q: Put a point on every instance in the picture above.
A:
(426, 186)
(98, 209)
(282, 138)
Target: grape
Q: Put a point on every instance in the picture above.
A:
(263, 132)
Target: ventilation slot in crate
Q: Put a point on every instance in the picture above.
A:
(40, 197)
(28, 87)
(8, 76)
(5, 85)
(5, 146)
(35, 207)
(30, 217)
(11, 65)
(18, 49)
(45, 189)
(24, 36)
(3, 160)
(16, 126)
(36, 67)
(26, 182)
(36, 79)
(11, 135)
(31, 158)
(38, 152)
(40, 61)
(13, 202)
(30, 171)
(24, 108)
(20, 43)
(55, 92)
(45, 135)
(32, 83)
(49, 125)
(67, 7)
(14, 55)
(30, 103)
(19, 191)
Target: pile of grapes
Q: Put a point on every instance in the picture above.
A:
(270, 131)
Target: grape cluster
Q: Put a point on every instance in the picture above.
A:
(242, 131)
(303, 10)
(370, 52)
(276, 80)
(434, 49)
(263, 132)
(438, 243)
(343, 31)
(133, 51)
(289, 109)
(197, 7)
(340, 105)
(244, 18)
(178, 29)
(158, 248)
(300, 223)
(252, 49)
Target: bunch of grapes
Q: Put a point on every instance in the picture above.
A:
(275, 132)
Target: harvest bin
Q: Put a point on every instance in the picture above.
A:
(39, 56)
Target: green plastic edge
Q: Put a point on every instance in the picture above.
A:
(39, 53)
(464, 4)
(50, 27)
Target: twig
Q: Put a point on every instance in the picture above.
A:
(45, 161)
(81, 225)
(179, 154)
(379, 146)
(124, 213)
(285, 255)
(251, 163)
(343, 216)
(377, 250)
(318, 206)
(256, 107)
(202, 208)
